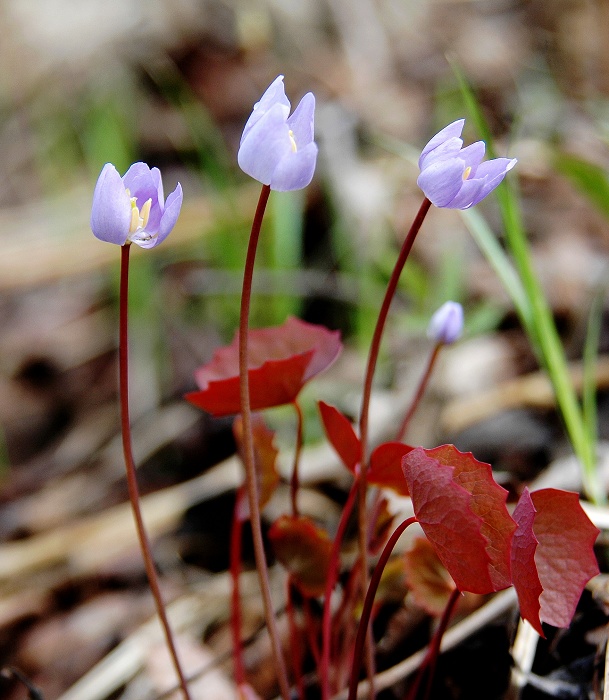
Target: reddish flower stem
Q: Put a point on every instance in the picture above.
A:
(367, 392)
(134, 497)
(419, 392)
(295, 481)
(248, 446)
(326, 628)
(429, 662)
(235, 572)
(362, 630)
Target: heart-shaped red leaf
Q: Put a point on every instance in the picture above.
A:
(552, 556)
(305, 550)
(462, 511)
(426, 577)
(488, 502)
(265, 460)
(341, 435)
(386, 467)
(281, 360)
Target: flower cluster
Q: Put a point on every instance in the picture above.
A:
(277, 149)
(454, 177)
(132, 208)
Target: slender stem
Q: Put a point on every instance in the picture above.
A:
(326, 625)
(380, 326)
(134, 497)
(362, 630)
(248, 446)
(367, 392)
(419, 392)
(295, 481)
(235, 572)
(429, 662)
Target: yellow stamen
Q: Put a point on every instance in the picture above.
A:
(292, 141)
(145, 212)
(466, 172)
(139, 219)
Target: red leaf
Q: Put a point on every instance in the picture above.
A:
(488, 502)
(524, 571)
(281, 360)
(553, 556)
(386, 467)
(341, 435)
(462, 511)
(304, 549)
(265, 459)
(429, 582)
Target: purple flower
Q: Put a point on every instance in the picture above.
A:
(276, 149)
(446, 324)
(455, 177)
(132, 208)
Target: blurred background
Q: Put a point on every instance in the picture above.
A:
(172, 82)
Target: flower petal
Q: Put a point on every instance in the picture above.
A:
(265, 145)
(295, 170)
(446, 325)
(302, 121)
(473, 155)
(111, 209)
(451, 131)
(468, 195)
(446, 150)
(493, 172)
(141, 183)
(273, 95)
(173, 205)
(442, 180)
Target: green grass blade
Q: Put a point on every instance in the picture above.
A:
(590, 357)
(541, 329)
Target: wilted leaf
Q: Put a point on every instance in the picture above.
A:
(265, 460)
(304, 549)
(281, 359)
(428, 580)
(552, 556)
(471, 535)
(386, 467)
(341, 435)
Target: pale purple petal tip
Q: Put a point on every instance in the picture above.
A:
(173, 206)
(302, 121)
(451, 131)
(273, 95)
(446, 325)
